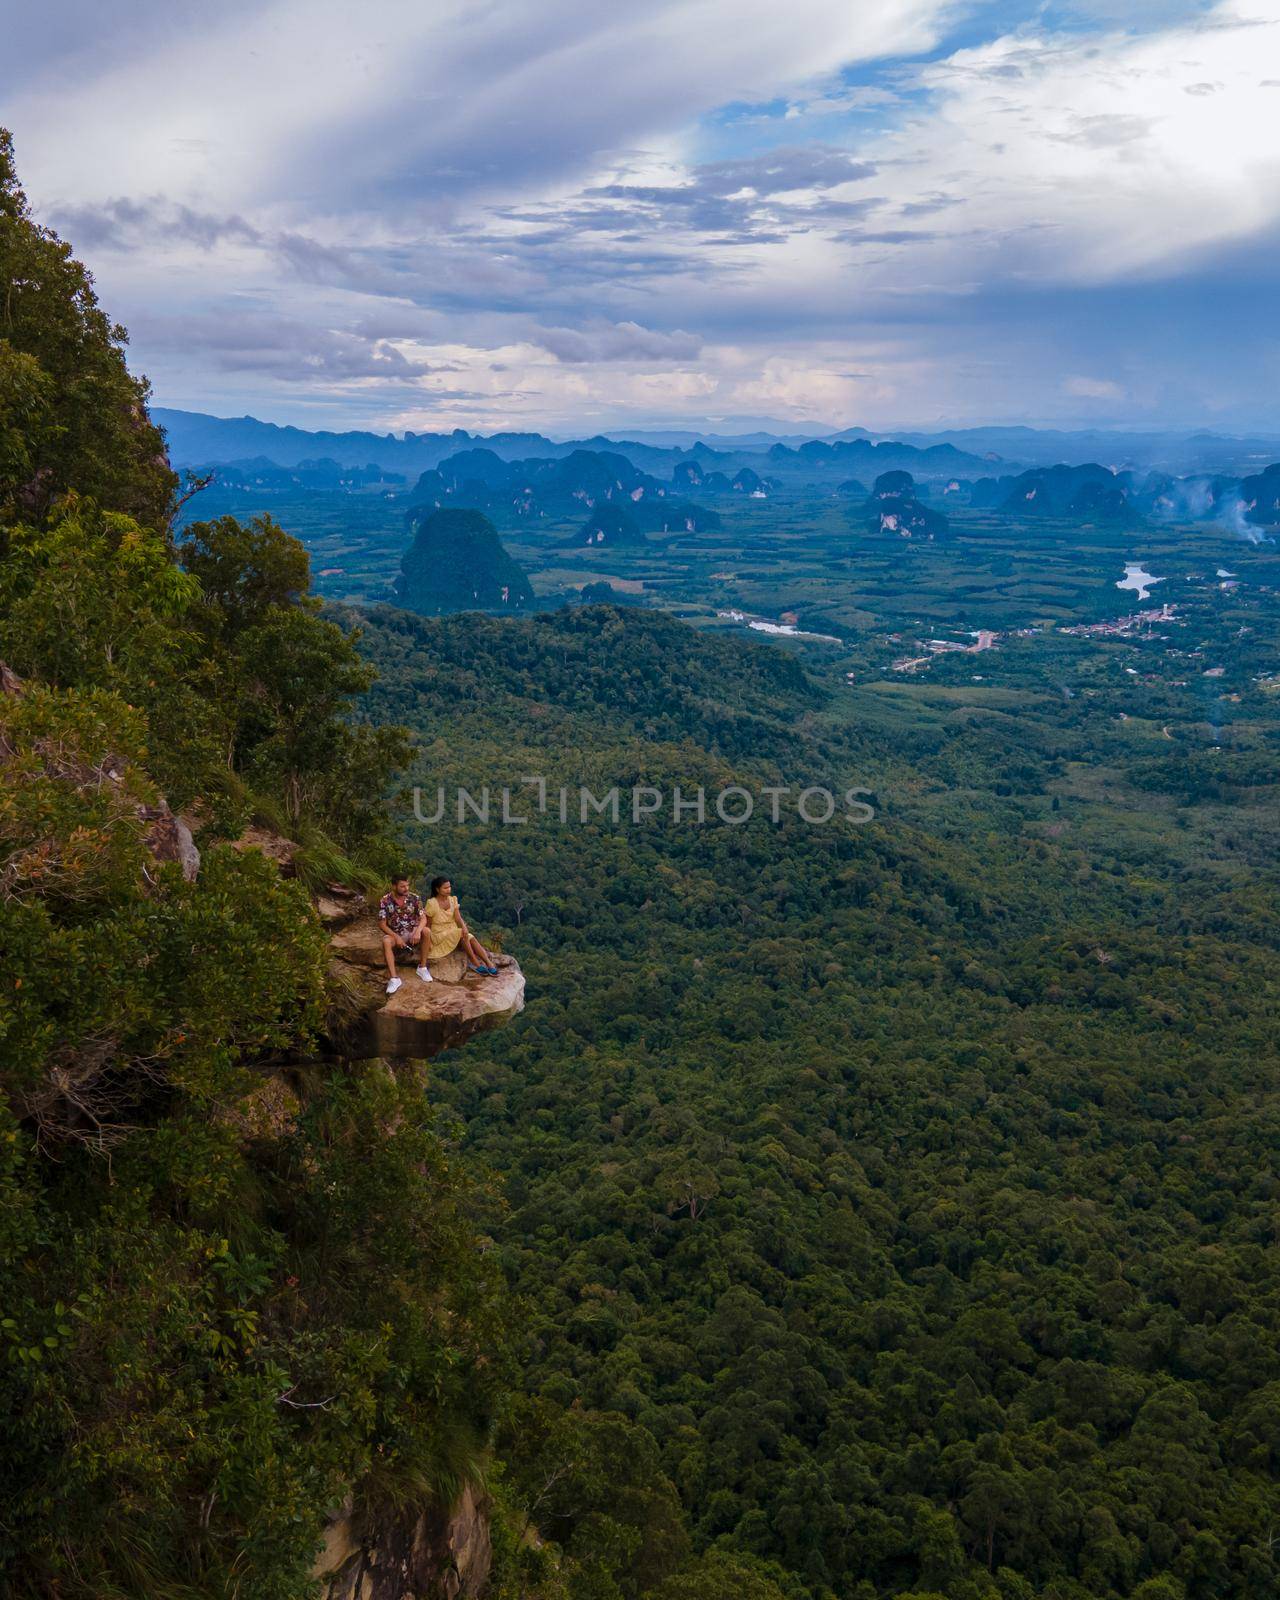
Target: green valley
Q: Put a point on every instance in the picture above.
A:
(879, 1174)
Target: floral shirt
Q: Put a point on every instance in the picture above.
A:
(402, 920)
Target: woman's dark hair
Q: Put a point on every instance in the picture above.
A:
(435, 884)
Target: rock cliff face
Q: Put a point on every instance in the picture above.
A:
(439, 1555)
(421, 1019)
(169, 838)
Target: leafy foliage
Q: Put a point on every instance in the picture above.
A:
(71, 415)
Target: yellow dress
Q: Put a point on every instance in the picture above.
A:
(443, 933)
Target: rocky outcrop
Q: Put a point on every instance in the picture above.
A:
(272, 845)
(169, 838)
(895, 509)
(440, 1555)
(908, 519)
(415, 1024)
(420, 1019)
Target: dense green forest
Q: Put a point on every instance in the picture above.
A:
(858, 1209)
(909, 1188)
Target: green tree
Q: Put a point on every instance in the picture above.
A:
(244, 569)
(72, 417)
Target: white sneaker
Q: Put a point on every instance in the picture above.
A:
(393, 984)
(425, 974)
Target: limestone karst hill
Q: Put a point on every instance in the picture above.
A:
(894, 508)
(608, 524)
(458, 563)
(1069, 491)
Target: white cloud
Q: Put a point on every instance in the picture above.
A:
(534, 197)
(283, 348)
(323, 101)
(1083, 388)
(617, 341)
(1085, 158)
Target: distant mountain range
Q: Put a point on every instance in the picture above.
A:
(624, 500)
(196, 439)
(1182, 453)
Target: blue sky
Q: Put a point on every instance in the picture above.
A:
(562, 215)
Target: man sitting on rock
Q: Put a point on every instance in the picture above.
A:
(403, 924)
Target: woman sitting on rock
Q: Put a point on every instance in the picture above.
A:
(445, 929)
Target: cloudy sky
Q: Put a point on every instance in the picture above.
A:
(565, 214)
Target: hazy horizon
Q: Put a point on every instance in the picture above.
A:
(559, 219)
(737, 427)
